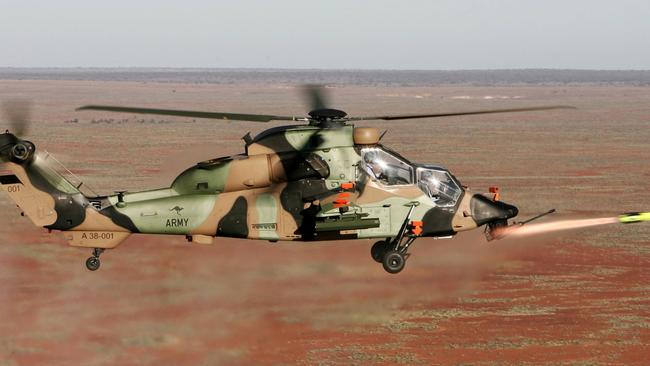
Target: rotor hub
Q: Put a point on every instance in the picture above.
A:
(325, 114)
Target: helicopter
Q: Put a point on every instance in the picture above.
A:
(318, 178)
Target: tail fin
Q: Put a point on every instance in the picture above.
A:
(36, 183)
(33, 183)
(34, 188)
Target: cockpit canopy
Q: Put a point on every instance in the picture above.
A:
(390, 169)
(386, 168)
(439, 185)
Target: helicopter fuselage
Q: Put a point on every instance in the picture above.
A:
(293, 183)
(327, 180)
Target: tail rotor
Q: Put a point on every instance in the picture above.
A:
(17, 113)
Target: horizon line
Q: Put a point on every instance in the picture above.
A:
(303, 69)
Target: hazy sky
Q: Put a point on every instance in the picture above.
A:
(417, 34)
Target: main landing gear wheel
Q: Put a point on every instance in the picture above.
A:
(93, 262)
(378, 250)
(396, 252)
(394, 261)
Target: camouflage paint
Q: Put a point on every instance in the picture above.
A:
(290, 179)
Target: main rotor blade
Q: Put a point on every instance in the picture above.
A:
(17, 112)
(450, 114)
(194, 114)
(316, 96)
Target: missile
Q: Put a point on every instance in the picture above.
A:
(634, 217)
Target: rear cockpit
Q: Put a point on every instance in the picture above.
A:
(390, 169)
(386, 167)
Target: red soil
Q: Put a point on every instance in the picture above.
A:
(577, 297)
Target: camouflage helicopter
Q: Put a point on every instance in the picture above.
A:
(324, 179)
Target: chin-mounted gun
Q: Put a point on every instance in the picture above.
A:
(499, 229)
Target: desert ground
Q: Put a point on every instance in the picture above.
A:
(579, 297)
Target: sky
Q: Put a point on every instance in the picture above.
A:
(332, 34)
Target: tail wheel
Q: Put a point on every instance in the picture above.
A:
(394, 262)
(93, 263)
(378, 250)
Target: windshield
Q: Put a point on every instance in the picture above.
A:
(385, 167)
(439, 185)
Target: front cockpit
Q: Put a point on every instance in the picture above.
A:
(439, 184)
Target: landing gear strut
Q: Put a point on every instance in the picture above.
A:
(392, 253)
(93, 263)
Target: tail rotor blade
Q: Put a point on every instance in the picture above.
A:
(18, 113)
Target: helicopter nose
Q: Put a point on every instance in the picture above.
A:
(485, 210)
